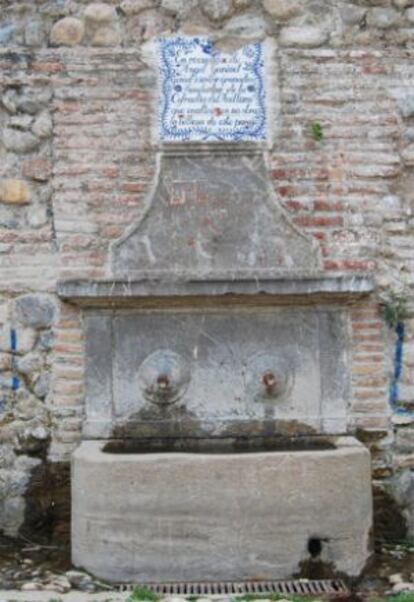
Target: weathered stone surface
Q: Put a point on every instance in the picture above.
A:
(149, 24)
(262, 534)
(19, 141)
(408, 155)
(31, 586)
(406, 104)
(178, 212)
(108, 292)
(12, 515)
(351, 14)
(382, 18)
(67, 32)
(242, 3)
(79, 579)
(240, 349)
(133, 7)
(410, 14)
(403, 587)
(7, 32)
(21, 122)
(25, 100)
(106, 36)
(13, 191)
(405, 439)
(29, 363)
(34, 34)
(32, 100)
(27, 407)
(246, 26)
(26, 338)
(179, 7)
(283, 9)
(5, 364)
(216, 10)
(37, 216)
(41, 387)
(43, 126)
(305, 37)
(45, 341)
(38, 169)
(403, 3)
(36, 311)
(100, 12)
(9, 100)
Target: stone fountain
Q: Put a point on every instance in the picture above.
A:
(216, 443)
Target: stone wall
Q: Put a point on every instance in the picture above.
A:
(76, 159)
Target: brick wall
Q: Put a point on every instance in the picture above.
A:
(77, 103)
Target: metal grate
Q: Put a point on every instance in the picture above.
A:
(299, 587)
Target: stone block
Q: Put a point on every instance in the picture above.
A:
(403, 3)
(106, 36)
(36, 311)
(383, 18)
(247, 25)
(216, 10)
(37, 216)
(14, 192)
(42, 385)
(13, 515)
(67, 32)
(7, 31)
(352, 15)
(404, 439)
(223, 516)
(34, 34)
(242, 3)
(37, 169)
(233, 354)
(30, 363)
(133, 7)
(98, 12)
(304, 37)
(404, 461)
(283, 9)
(43, 125)
(21, 122)
(5, 361)
(18, 141)
(179, 7)
(147, 25)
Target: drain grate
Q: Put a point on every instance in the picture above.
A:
(299, 587)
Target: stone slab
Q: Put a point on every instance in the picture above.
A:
(212, 215)
(272, 290)
(216, 372)
(182, 516)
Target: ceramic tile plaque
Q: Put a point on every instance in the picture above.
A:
(209, 95)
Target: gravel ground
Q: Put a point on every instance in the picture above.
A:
(32, 573)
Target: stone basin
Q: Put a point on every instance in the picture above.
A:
(199, 510)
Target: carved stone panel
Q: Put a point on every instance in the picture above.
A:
(216, 372)
(213, 215)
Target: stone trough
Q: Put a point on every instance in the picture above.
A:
(207, 513)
